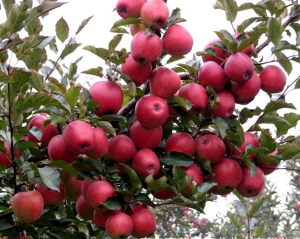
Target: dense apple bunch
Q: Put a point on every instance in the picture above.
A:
(156, 154)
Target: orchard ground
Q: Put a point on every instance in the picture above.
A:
(202, 21)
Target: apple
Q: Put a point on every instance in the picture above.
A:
(52, 198)
(85, 185)
(249, 139)
(145, 162)
(219, 57)
(73, 188)
(129, 8)
(98, 192)
(196, 94)
(195, 172)
(181, 142)
(27, 206)
(246, 91)
(131, 210)
(177, 41)
(239, 67)
(155, 14)
(268, 167)
(210, 147)
(121, 148)
(165, 194)
(251, 185)
(144, 223)
(151, 111)
(273, 79)
(211, 73)
(144, 137)
(5, 158)
(36, 121)
(146, 48)
(49, 131)
(79, 137)
(164, 82)
(108, 95)
(83, 209)
(57, 150)
(136, 27)
(22, 237)
(119, 226)
(225, 105)
(100, 147)
(139, 73)
(228, 174)
(249, 50)
(100, 218)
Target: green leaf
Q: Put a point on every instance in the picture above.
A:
(65, 166)
(69, 49)
(256, 205)
(28, 44)
(222, 126)
(62, 29)
(16, 17)
(177, 100)
(174, 58)
(72, 95)
(34, 27)
(246, 23)
(276, 105)
(94, 71)
(274, 30)
(5, 78)
(284, 62)
(228, 40)
(35, 60)
(126, 22)
(112, 203)
(284, 45)
(281, 124)
(176, 159)
(50, 177)
(83, 24)
(36, 132)
(259, 231)
(261, 11)
(100, 52)
(236, 221)
(134, 178)
(180, 178)
(114, 42)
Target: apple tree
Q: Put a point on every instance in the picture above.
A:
(94, 161)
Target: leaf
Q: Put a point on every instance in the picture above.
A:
(34, 27)
(176, 159)
(72, 95)
(83, 24)
(5, 78)
(65, 166)
(180, 178)
(100, 52)
(69, 49)
(114, 42)
(256, 205)
(186, 104)
(274, 30)
(135, 181)
(174, 58)
(261, 11)
(50, 177)
(236, 221)
(276, 105)
(112, 203)
(36, 132)
(228, 40)
(62, 29)
(222, 126)
(35, 60)
(16, 17)
(94, 71)
(259, 231)
(246, 23)
(284, 62)
(126, 22)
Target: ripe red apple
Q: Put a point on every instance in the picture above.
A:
(246, 91)
(129, 8)
(57, 150)
(73, 188)
(273, 79)
(165, 194)
(192, 171)
(249, 138)
(145, 162)
(109, 96)
(164, 82)
(79, 137)
(119, 226)
(177, 41)
(100, 144)
(196, 94)
(228, 174)
(248, 50)
(220, 56)
(143, 137)
(98, 192)
(37, 121)
(146, 48)
(100, 218)
(5, 158)
(151, 111)
(85, 185)
(139, 73)
(211, 73)
(83, 209)
(136, 27)
(210, 147)
(121, 148)
(48, 133)
(27, 206)
(239, 67)
(225, 105)
(144, 223)
(180, 142)
(155, 14)
(52, 198)
(251, 185)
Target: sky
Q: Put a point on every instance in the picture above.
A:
(202, 21)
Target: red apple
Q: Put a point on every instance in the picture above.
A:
(273, 79)
(108, 95)
(27, 206)
(146, 48)
(165, 194)
(83, 209)
(180, 142)
(5, 158)
(143, 137)
(248, 50)
(177, 41)
(136, 27)
(129, 8)
(225, 105)
(144, 223)
(121, 148)
(73, 188)
(119, 226)
(268, 167)
(85, 185)
(48, 133)
(145, 162)
(195, 172)
(52, 198)
(36, 121)
(151, 111)
(100, 218)
(249, 139)
(210, 147)
(220, 55)
(100, 144)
